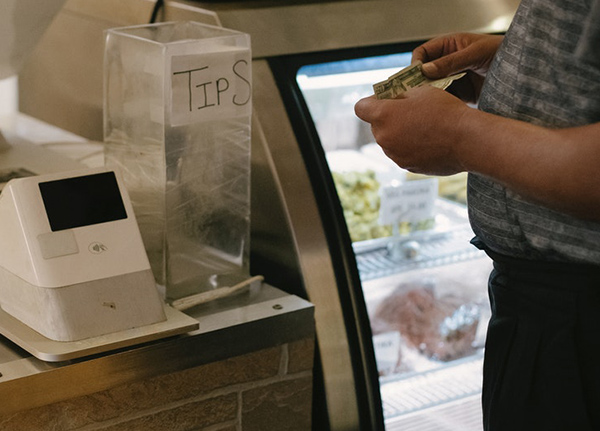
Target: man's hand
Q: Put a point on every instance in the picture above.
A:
(419, 131)
(447, 55)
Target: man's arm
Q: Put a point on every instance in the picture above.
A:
(558, 168)
(430, 131)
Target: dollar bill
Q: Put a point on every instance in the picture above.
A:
(395, 82)
(407, 78)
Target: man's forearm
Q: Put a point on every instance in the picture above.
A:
(559, 168)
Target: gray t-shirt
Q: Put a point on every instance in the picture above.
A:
(538, 77)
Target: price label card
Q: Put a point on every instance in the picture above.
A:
(387, 350)
(210, 86)
(410, 201)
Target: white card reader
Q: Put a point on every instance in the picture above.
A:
(72, 261)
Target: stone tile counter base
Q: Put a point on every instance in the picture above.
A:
(270, 389)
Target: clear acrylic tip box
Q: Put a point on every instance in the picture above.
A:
(177, 115)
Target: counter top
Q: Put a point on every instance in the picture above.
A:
(247, 321)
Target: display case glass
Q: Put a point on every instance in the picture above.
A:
(424, 284)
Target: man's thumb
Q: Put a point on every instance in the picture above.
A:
(431, 70)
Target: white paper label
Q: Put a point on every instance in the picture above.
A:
(210, 86)
(387, 351)
(410, 201)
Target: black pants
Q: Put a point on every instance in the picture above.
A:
(542, 355)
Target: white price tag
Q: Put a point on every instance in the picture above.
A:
(210, 86)
(387, 351)
(410, 201)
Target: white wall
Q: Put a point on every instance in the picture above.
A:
(9, 100)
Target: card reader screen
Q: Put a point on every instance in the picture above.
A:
(82, 201)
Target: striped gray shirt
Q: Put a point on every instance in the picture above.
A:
(537, 77)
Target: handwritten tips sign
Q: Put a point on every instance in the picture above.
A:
(210, 86)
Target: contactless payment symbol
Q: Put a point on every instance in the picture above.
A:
(97, 247)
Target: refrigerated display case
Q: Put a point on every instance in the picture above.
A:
(400, 302)
(423, 284)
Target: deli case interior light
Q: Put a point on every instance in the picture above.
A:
(342, 79)
(424, 285)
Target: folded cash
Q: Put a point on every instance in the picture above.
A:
(407, 78)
